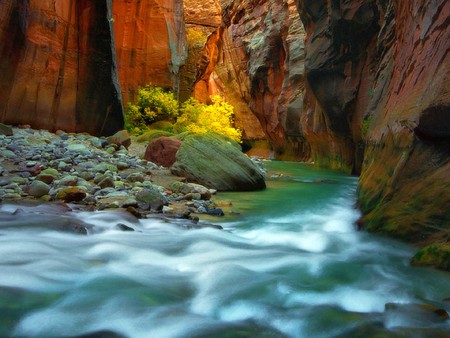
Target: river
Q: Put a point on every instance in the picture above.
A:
(289, 263)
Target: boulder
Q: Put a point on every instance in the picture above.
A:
(214, 161)
(162, 151)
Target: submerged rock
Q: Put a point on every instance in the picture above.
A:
(437, 255)
(214, 161)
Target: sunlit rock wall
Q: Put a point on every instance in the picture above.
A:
(258, 64)
(57, 66)
(150, 43)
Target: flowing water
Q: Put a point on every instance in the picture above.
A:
(291, 264)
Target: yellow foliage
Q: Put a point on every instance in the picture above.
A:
(195, 38)
(201, 118)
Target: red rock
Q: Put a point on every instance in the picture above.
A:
(58, 67)
(150, 43)
(162, 151)
(259, 71)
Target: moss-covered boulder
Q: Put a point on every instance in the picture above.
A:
(216, 162)
(151, 135)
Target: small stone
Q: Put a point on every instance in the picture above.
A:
(72, 194)
(124, 227)
(167, 210)
(151, 199)
(122, 165)
(79, 149)
(87, 175)
(51, 171)
(8, 154)
(215, 212)
(68, 181)
(135, 177)
(46, 178)
(38, 189)
(107, 182)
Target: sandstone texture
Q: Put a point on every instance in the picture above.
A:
(150, 43)
(256, 62)
(57, 66)
(162, 151)
(377, 102)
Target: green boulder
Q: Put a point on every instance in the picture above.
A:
(216, 162)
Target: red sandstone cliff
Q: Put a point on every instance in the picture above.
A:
(57, 66)
(257, 63)
(150, 43)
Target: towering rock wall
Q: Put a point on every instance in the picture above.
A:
(57, 66)
(378, 95)
(150, 43)
(257, 59)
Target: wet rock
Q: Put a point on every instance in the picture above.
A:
(52, 172)
(72, 194)
(124, 227)
(151, 199)
(38, 189)
(68, 181)
(135, 177)
(106, 182)
(78, 149)
(215, 212)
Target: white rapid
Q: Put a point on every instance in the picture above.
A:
(291, 265)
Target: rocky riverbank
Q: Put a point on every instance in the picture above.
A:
(94, 173)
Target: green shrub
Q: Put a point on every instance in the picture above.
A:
(153, 104)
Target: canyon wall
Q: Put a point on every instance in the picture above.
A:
(378, 102)
(57, 66)
(150, 44)
(256, 62)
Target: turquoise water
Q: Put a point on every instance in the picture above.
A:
(289, 263)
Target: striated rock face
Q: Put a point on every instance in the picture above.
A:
(57, 66)
(203, 19)
(377, 79)
(258, 65)
(150, 43)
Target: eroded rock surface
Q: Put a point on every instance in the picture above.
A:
(57, 65)
(150, 43)
(377, 101)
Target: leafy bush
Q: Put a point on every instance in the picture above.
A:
(156, 109)
(200, 118)
(153, 104)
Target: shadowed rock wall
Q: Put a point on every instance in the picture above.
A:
(378, 102)
(57, 66)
